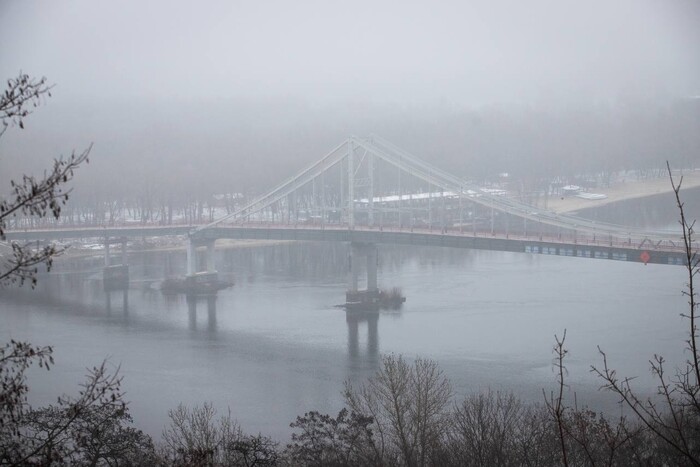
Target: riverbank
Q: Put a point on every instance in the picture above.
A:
(624, 190)
(621, 190)
(166, 244)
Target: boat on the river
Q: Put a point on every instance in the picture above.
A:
(366, 300)
(193, 285)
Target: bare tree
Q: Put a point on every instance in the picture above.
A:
(586, 437)
(15, 359)
(31, 196)
(52, 434)
(555, 404)
(345, 440)
(251, 451)
(193, 436)
(674, 417)
(196, 437)
(409, 406)
(494, 429)
(21, 95)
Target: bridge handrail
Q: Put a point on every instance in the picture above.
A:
(570, 240)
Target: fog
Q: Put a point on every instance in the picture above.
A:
(192, 109)
(463, 53)
(474, 86)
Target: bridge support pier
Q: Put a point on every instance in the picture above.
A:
(108, 253)
(371, 298)
(201, 281)
(115, 276)
(192, 265)
(372, 258)
(369, 251)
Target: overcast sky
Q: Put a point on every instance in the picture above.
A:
(470, 53)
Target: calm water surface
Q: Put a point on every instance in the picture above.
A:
(275, 346)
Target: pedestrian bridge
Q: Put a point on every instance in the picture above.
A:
(581, 246)
(368, 192)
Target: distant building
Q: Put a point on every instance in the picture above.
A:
(570, 190)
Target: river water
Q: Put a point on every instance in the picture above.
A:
(275, 346)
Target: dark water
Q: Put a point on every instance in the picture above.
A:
(274, 345)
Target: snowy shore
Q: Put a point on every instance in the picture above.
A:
(624, 190)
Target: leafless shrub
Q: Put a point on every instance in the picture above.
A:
(196, 437)
(409, 406)
(674, 416)
(488, 429)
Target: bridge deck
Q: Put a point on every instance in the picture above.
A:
(582, 247)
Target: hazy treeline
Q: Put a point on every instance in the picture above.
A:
(161, 160)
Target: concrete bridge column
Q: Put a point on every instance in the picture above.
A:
(372, 268)
(354, 267)
(192, 265)
(191, 257)
(211, 268)
(124, 255)
(370, 170)
(369, 251)
(369, 299)
(198, 281)
(115, 277)
(108, 251)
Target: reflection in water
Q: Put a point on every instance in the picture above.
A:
(353, 320)
(125, 300)
(276, 346)
(192, 301)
